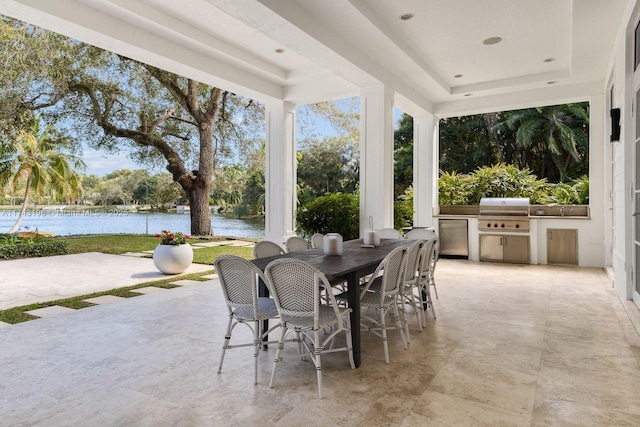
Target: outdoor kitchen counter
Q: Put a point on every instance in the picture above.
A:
(589, 246)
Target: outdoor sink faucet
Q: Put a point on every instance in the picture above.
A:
(561, 210)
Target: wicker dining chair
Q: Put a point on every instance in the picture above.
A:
(317, 240)
(296, 244)
(239, 280)
(266, 248)
(426, 234)
(389, 233)
(380, 293)
(296, 287)
(420, 233)
(407, 296)
(425, 276)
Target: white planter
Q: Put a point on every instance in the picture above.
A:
(173, 259)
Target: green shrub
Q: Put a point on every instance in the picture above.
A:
(29, 248)
(332, 213)
(403, 209)
(508, 181)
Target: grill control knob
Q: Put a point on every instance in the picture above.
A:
(489, 225)
(517, 225)
(495, 225)
(502, 226)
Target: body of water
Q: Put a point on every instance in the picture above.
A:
(114, 221)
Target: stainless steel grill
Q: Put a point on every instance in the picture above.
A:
(504, 214)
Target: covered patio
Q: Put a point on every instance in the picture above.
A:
(555, 347)
(512, 345)
(430, 59)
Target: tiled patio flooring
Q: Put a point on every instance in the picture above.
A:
(512, 345)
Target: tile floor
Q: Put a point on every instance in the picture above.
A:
(512, 346)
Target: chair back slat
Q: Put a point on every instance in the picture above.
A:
(317, 240)
(295, 286)
(427, 258)
(389, 233)
(296, 244)
(413, 258)
(239, 280)
(266, 248)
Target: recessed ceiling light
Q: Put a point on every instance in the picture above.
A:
(406, 16)
(457, 76)
(552, 82)
(279, 50)
(492, 40)
(550, 60)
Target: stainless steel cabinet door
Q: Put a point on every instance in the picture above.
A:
(491, 248)
(562, 246)
(516, 248)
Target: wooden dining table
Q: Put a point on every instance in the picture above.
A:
(355, 262)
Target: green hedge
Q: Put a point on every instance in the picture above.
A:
(33, 249)
(332, 213)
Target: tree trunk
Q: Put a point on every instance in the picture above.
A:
(24, 206)
(199, 192)
(199, 207)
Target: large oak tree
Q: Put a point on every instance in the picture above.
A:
(114, 103)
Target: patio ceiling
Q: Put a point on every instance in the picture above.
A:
(307, 50)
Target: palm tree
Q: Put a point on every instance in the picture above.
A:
(554, 138)
(36, 159)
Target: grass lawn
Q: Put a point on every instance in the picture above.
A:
(118, 244)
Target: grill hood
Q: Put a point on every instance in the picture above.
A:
(504, 206)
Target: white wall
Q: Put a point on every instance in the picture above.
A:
(621, 154)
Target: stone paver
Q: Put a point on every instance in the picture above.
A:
(54, 310)
(35, 280)
(210, 276)
(4, 324)
(105, 299)
(148, 290)
(136, 254)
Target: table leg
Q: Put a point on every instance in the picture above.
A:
(263, 291)
(353, 295)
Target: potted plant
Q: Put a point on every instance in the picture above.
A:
(173, 255)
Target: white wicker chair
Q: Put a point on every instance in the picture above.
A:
(390, 233)
(239, 279)
(296, 288)
(266, 248)
(425, 234)
(420, 233)
(380, 293)
(425, 276)
(296, 244)
(411, 283)
(316, 240)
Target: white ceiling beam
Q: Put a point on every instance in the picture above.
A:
(551, 95)
(294, 14)
(379, 25)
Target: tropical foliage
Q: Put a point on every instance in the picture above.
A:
(551, 141)
(39, 158)
(508, 181)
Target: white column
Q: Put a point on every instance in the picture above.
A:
(425, 169)
(280, 173)
(376, 157)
